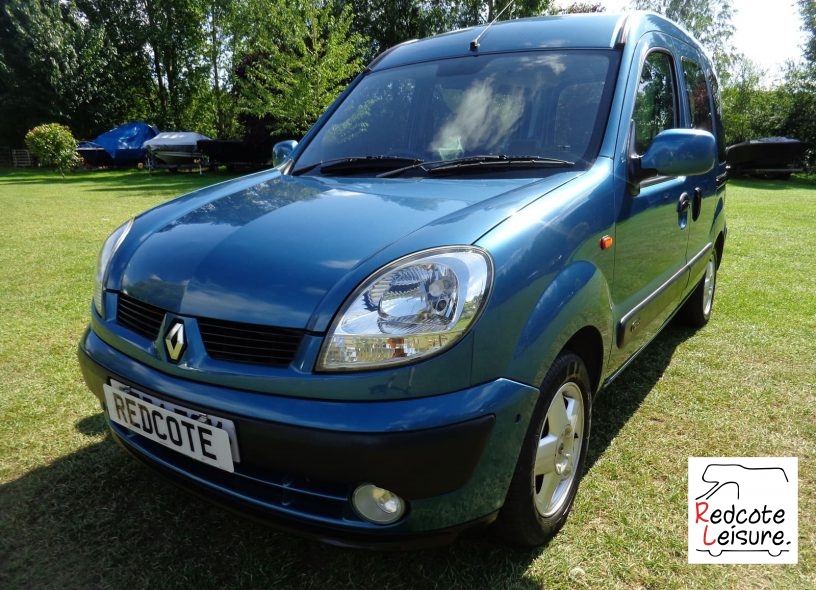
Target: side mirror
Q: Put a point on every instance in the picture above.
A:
(674, 152)
(282, 151)
(681, 152)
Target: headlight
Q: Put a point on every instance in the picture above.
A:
(111, 244)
(410, 309)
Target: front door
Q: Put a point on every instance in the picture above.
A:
(652, 233)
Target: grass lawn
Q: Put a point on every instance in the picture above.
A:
(77, 512)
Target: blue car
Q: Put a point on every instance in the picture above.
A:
(397, 333)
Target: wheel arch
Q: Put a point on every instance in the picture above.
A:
(588, 344)
(719, 246)
(574, 313)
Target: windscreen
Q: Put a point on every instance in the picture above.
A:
(538, 104)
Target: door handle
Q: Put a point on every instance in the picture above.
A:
(697, 205)
(683, 203)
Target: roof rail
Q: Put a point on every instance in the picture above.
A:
(380, 56)
(623, 30)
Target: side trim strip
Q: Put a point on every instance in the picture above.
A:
(635, 311)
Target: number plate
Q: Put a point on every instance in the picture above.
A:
(204, 438)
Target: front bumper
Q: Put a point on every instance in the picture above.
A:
(449, 456)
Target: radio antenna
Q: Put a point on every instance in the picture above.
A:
(474, 45)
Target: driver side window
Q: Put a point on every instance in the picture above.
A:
(655, 104)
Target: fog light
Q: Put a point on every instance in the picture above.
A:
(377, 505)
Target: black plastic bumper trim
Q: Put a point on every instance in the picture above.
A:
(415, 464)
(383, 540)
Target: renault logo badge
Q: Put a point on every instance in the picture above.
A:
(175, 341)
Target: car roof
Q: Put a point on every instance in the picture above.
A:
(574, 31)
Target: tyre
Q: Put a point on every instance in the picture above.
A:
(552, 457)
(696, 311)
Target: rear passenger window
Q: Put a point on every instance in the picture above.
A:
(655, 105)
(699, 101)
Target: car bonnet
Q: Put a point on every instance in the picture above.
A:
(269, 252)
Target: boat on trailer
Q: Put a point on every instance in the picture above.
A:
(121, 146)
(770, 157)
(175, 149)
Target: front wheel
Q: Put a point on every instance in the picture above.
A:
(552, 457)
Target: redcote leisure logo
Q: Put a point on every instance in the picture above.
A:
(743, 510)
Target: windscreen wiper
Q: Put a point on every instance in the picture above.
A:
(497, 162)
(485, 162)
(356, 164)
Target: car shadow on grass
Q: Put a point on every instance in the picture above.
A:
(100, 519)
(619, 401)
(803, 182)
(119, 179)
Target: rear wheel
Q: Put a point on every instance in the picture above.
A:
(696, 311)
(552, 457)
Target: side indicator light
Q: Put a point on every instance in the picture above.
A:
(606, 242)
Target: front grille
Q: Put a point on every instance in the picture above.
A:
(142, 318)
(249, 343)
(225, 341)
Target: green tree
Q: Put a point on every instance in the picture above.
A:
(389, 22)
(53, 67)
(130, 90)
(738, 101)
(807, 10)
(296, 58)
(582, 7)
(385, 23)
(220, 105)
(173, 58)
(175, 37)
(752, 112)
(800, 85)
(473, 12)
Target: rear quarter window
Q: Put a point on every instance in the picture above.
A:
(699, 99)
(702, 94)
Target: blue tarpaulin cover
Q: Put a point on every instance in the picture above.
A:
(120, 146)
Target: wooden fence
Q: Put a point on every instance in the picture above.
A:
(22, 158)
